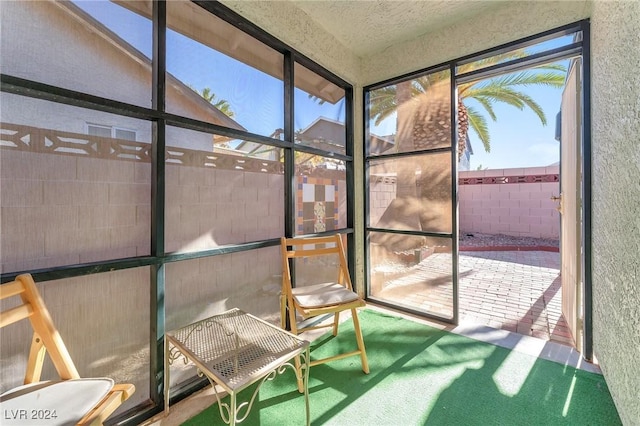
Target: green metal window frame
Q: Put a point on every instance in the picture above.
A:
(160, 119)
(577, 48)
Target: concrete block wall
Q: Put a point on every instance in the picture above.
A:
(206, 208)
(63, 210)
(381, 192)
(199, 288)
(519, 209)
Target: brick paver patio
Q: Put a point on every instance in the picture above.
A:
(518, 291)
(514, 290)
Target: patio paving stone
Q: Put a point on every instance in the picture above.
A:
(511, 290)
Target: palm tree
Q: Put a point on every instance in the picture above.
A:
(423, 109)
(504, 89)
(222, 104)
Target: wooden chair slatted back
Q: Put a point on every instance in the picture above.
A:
(45, 337)
(307, 247)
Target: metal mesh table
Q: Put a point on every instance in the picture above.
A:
(235, 350)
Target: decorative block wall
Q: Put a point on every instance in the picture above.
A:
(501, 201)
(510, 202)
(317, 205)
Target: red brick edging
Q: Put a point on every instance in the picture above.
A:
(510, 248)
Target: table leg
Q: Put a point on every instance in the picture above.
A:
(233, 414)
(166, 376)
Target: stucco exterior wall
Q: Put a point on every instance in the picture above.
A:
(615, 118)
(75, 57)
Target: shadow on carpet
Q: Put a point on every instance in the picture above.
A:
(424, 376)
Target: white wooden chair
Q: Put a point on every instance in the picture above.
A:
(71, 400)
(320, 299)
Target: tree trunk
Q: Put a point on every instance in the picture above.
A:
(423, 188)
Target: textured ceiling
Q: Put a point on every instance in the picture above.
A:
(368, 27)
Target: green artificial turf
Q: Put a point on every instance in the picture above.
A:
(424, 376)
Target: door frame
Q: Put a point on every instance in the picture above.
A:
(580, 47)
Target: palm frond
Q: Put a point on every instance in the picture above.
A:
(487, 105)
(552, 66)
(382, 111)
(497, 94)
(511, 97)
(382, 103)
(535, 107)
(424, 83)
(527, 78)
(479, 125)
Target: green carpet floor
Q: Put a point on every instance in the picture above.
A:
(423, 376)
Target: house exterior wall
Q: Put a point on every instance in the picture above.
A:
(615, 92)
(75, 57)
(82, 60)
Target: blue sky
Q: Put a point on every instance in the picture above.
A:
(200, 66)
(518, 139)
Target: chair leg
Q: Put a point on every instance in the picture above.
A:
(283, 312)
(336, 321)
(292, 319)
(363, 353)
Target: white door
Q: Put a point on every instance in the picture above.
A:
(570, 203)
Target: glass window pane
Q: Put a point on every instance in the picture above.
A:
(220, 191)
(129, 135)
(96, 47)
(317, 270)
(197, 289)
(102, 131)
(69, 197)
(319, 116)
(413, 115)
(221, 75)
(103, 320)
(321, 195)
(518, 53)
(411, 193)
(418, 277)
